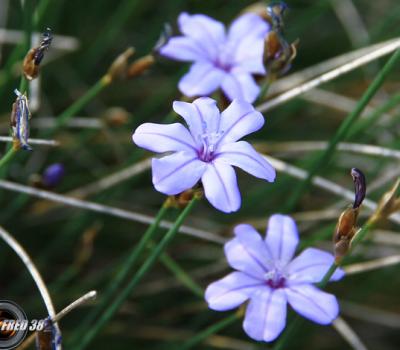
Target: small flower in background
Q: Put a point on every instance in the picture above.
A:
(269, 277)
(221, 60)
(206, 151)
(20, 116)
(53, 175)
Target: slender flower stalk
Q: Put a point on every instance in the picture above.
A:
(120, 277)
(147, 265)
(74, 108)
(8, 156)
(344, 129)
(199, 337)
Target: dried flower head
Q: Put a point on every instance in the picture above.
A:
(276, 11)
(20, 117)
(119, 67)
(35, 56)
(347, 222)
(278, 53)
(270, 277)
(49, 338)
(140, 66)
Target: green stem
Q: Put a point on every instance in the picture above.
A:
(116, 21)
(367, 122)
(73, 109)
(7, 157)
(215, 328)
(181, 275)
(343, 130)
(28, 10)
(147, 265)
(121, 276)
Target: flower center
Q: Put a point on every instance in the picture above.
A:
(209, 142)
(224, 59)
(275, 279)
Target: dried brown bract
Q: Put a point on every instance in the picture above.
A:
(347, 223)
(34, 57)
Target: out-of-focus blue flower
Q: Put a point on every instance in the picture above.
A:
(206, 151)
(226, 60)
(269, 277)
(53, 175)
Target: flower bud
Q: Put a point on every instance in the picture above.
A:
(347, 223)
(344, 232)
(183, 199)
(116, 116)
(140, 66)
(118, 69)
(360, 187)
(165, 35)
(53, 175)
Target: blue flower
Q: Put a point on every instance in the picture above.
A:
(269, 276)
(53, 175)
(220, 59)
(206, 151)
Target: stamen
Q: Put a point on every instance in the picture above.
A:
(209, 142)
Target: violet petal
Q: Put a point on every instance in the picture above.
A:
(182, 48)
(206, 31)
(164, 138)
(266, 315)
(282, 237)
(220, 187)
(177, 172)
(238, 120)
(311, 266)
(244, 156)
(312, 303)
(230, 291)
(202, 79)
(254, 245)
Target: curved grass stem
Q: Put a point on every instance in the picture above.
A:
(344, 129)
(199, 337)
(147, 265)
(7, 157)
(125, 269)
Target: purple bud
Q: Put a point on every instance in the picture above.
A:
(360, 186)
(53, 175)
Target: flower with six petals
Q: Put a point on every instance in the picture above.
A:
(206, 151)
(220, 59)
(269, 277)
